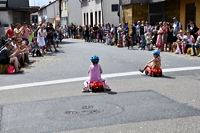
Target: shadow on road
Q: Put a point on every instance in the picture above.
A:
(109, 92)
(66, 43)
(168, 77)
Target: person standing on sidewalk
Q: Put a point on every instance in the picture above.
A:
(40, 38)
(25, 33)
(50, 34)
(177, 26)
(134, 35)
(18, 31)
(10, 32)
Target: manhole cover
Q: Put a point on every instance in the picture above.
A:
(74, 112)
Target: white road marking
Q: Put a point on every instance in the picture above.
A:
(85, 78)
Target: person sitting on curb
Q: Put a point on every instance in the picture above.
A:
(196, 45)
(6, 57)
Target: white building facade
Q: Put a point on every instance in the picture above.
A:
(100, 11)
(49, 13)
(71, 12)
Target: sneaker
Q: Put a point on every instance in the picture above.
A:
(21, 67)
(56, 51)
(198, 55)
(140, 70)
(107, 88)
(20, 71)
(193, 55)
(85, 90)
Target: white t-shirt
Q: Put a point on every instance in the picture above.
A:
(198, 40)
(14, 45)
(119, 30)
(189, 39)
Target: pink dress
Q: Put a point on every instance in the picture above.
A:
(95, 75)
(159, 42)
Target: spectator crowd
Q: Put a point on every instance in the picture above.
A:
(165, 36)
(36, 40)
(24, 40)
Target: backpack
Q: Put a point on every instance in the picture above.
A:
(178, 25)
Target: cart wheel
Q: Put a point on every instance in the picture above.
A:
(92, 88)
(153, 74)
(146, 72)
(102, 88)
(160, 74)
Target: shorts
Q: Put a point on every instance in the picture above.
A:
(50, 42)
(5, 61)
(80, 33)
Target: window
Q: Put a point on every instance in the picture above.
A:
(114, 7)
(91, 18)
(95, 17)
(87, 18)
(65, 4)
(84, 17)
(190, 12)
(99, 16)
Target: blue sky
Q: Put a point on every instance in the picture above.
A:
(39, 2)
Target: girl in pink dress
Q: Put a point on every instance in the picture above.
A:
(94, 74)
(159, 42)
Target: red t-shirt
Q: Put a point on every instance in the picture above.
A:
(10, 33)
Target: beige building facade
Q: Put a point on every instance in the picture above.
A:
(184, 10)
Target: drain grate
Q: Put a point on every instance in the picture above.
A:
(87, 107)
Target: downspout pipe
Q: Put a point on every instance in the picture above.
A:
(119, 11)
(102, 11)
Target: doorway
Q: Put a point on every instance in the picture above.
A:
(156, 12)
(190, 13)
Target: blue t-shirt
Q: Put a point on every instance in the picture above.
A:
(126, 28)
(134, 28)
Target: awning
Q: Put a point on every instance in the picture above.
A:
(154, 1)
(127, 2)
(3, 3)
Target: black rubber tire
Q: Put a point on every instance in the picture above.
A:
(146, 72)
(102, 88)
(160, 74)
(152, 74)
(92, 88)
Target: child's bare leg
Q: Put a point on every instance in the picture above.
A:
(145, 67)
(106, 85)
(86, 84)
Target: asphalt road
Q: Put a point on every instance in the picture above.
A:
(137, 103)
